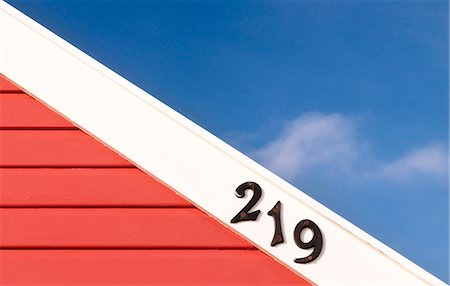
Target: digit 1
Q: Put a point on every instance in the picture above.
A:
(315, 242)
(275, 212)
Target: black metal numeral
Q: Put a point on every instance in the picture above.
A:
(275, 212)
(315, 242)
(244, 214)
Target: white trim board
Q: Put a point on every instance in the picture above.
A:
(192, 161)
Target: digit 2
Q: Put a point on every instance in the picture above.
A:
(315, 242)
(244, 214)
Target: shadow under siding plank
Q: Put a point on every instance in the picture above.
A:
(114, 228)
(19, 110)
(148, 267)
(40, 148)
(128, 187)
(7, 86)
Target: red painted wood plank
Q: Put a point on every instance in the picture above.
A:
(84, 187)
(54, 148)
(7, 86)
(114, 228)
(145, 267)
(21, 110)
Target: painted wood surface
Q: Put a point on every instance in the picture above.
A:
(144, 267)
(84, 187)
(19, 110)
(73, 212)
(7, 85)
(114, 228)
(63, 148)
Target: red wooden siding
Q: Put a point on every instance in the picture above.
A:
(114, 228)
(83, 187)
(8, 86)
(144, 267)
(62, 148)
(74, 212)
(19, 110)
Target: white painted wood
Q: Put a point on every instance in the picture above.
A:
(195, 163)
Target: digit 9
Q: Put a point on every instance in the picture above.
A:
(315, 242)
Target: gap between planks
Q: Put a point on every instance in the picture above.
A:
(99, 207)
(43, 128)
(206, 248)
(67, 167)
(12, 91)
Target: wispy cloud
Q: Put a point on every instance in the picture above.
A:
(311, 140)
(431, 160)
(329, 144)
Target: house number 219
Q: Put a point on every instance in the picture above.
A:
(245, 214)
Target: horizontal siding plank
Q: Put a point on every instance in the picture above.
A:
(114, 228)
(7, 86)
(84, 187)
(145, 267)
(21, 110)
(54, 148)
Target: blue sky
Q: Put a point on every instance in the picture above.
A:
(347, 100)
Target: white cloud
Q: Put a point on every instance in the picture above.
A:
(327, 144)
(431, 159)
(311, 140)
